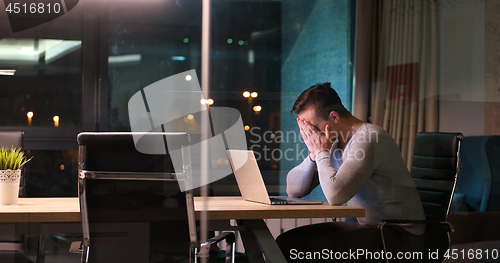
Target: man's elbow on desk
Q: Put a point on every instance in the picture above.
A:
(296, 188)
(293, 193)
(337, 197)
(333, 201)
(298, 192)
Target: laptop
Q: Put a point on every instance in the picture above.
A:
(251, 184)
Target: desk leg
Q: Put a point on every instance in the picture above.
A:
(40, 257)
(257, 240)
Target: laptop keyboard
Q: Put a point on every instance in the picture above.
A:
(281, 200)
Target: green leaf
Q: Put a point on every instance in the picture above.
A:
(12, 158)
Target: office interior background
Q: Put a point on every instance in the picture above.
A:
(84, 66)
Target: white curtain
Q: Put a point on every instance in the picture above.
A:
(404, 69)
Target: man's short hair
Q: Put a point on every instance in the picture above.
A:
(322, 98)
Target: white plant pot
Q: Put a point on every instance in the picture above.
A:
(9, 186)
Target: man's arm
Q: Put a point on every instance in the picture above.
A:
(360, 162)
(302, 179)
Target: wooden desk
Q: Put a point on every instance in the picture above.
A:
(254, 232)
(234, 207)
(41, 216)
(41, 210)
(67, 209)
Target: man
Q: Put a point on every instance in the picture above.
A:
(352, 161)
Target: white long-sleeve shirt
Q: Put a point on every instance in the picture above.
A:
(372, 175)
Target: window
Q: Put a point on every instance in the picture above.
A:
(46, 80)
(271, 49)
(84, 66)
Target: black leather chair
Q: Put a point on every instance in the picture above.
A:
(435, 167)
(131, 205)
(12, 248)
(11, 138)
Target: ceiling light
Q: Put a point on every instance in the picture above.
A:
(7, 72)
(124, 58)
(28, 51)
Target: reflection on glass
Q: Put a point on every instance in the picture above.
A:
(28, 51)
(148, 41)
(44, 77)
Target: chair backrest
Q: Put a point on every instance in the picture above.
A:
(116, 152)
(435, 166)
(493, 153)
(121, 187)
(480, 175)
(11, 139)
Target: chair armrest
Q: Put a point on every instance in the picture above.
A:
(205, 247)
(76, 247)
(228, 236)
(448, 225)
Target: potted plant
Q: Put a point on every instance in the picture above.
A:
(12, 161)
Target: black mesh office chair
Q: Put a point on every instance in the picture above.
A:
(131, 205)
(435, 167)
(12, 248)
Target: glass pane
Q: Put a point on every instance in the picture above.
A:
(51, 173)
(271, 49)
(245, 74)
(149, 41)
(45, 76)
(277, 49)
